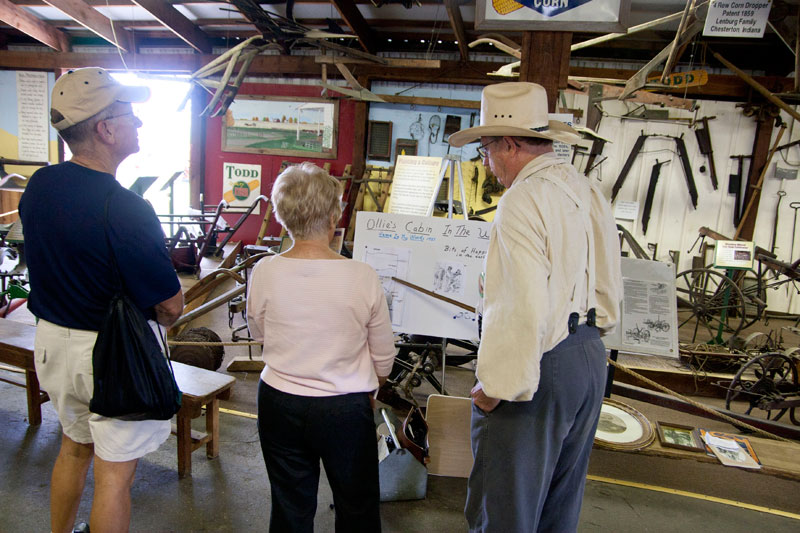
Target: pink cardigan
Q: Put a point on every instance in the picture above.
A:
(324, 323)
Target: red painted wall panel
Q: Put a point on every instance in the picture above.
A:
(270, 164)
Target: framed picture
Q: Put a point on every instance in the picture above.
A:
(621, 427)
(679, 436)
(281, 125)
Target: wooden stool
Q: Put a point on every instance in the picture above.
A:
(200, 388)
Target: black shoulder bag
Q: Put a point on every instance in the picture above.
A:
(133, 379)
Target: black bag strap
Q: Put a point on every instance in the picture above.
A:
(114, 266)
(121, 283)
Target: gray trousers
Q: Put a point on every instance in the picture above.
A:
(531, 457)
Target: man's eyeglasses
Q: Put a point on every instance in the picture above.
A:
(482, 148)
(121, 115)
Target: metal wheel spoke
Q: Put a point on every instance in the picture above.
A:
(685, 321)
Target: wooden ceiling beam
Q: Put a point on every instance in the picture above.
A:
(95, 21)
(167, 63)
(457, 23)
(355, 20)
(33, 26)
(718, 86)
(177, 23)
(397, 24)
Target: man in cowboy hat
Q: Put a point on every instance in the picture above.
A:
(552, 289)
(63, 212)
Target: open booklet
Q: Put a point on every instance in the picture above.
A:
(731, 450)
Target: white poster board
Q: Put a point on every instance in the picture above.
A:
(438, 254)
(562, 150)
(735, 18)
(241, 185)
(649, 314)
(32, 116)
(734, 254)
(626, 210)
(414, 184)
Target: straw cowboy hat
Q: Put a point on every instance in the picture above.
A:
(515, 109)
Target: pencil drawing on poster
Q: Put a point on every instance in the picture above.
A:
(448, 278)
(391, 262)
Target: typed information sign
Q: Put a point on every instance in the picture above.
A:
(737, 18)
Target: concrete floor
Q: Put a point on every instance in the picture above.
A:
(231, 493)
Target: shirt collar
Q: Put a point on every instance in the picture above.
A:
(537, 164)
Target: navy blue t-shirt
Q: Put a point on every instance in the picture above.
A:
(67, 254)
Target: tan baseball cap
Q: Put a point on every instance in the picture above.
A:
(84, 92)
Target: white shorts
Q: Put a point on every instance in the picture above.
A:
(63, 358)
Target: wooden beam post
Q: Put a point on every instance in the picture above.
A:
(351, 14)
(359, 146)
(95, 21)
(764, 125)
(457, 23)
(33, 26)
(178, 23)
(197, 147)
(545, 60)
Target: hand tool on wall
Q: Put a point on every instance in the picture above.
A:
(735, 188)
(637, 147)
(704, 142)
(756, 192)
(795, 206)
(781, 194)
(684, 157)
(651, 191)
(593, 117)
(687, 168)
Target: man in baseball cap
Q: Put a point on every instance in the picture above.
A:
(82, 93)
(552, 288)
(75, 215)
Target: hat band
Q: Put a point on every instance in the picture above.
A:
(541, 128)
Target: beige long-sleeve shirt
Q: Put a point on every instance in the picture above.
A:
(537, 274)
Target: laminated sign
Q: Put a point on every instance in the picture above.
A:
(736, 18)
(548, 8)
(552, 15)
(241, 185)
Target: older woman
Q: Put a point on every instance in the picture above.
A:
(328, 343)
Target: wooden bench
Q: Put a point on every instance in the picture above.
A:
(16, 349)
(200, 388)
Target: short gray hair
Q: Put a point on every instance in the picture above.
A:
(79, 133)
(533, 141)
(305, 198)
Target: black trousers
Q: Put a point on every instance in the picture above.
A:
(297, 432)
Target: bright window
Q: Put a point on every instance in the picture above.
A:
(163, 142)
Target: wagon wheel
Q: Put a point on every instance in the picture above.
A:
(709, 303)
(759, 342)
(755, 296)
(767, 382)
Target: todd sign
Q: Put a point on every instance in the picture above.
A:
(241, 185)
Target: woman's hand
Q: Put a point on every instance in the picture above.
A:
(374, 394)
(479, 398)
